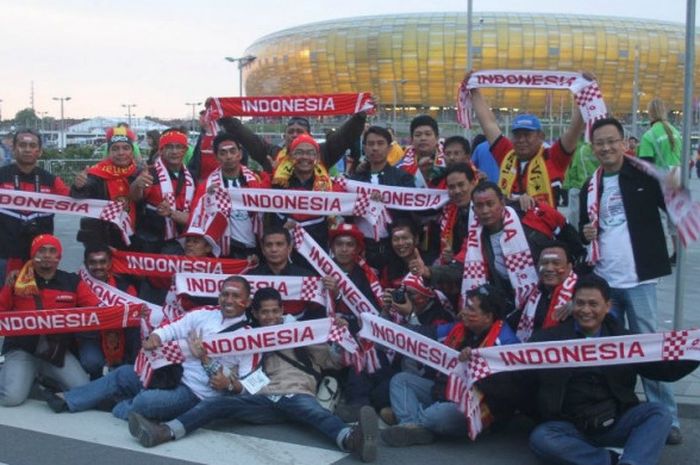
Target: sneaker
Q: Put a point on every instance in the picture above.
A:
(407, 435)
(387, 416)
(54, 401)
(362, 440)
(148, 433)
(674, 437)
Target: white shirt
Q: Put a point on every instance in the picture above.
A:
(209, 322)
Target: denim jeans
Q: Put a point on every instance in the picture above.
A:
(641, 431)
(638, 304)
(21, 368)
(90, 353)
(124, 386)
(261, 409)
(412, 402)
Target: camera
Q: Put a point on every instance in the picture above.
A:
(399, 295)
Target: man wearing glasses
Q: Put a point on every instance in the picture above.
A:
(620, 220)
(165, 191)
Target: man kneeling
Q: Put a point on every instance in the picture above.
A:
(290, 394)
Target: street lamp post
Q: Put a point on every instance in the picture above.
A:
(193, 105)
(128, 107)
(62, 135)
(394, 94)
(242, 63)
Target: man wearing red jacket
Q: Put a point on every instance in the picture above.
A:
(41, 285)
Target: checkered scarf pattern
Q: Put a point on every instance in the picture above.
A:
(518, 258)
(683, 211)
(587, 94)
(561, 295)
(166, 189)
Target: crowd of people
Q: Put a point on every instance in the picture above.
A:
(496, 264)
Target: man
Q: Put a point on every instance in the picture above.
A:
(627, 243)
(588, 409)
(41, 285)
(237, 236)
(420, 402)
(19, 228)
(113, 347)
(632, 145)
(277, 251)
(424, 158)
(549, 302)
(457, 150)
(165, 193)
(583, 164)
(290, 395)
(376, 142)
(271, 156)
(528, 171)
(489, 250)
(108, 180)
(460, 181)
(201, 376)
(303, 170)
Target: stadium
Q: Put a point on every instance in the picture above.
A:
(416, 61)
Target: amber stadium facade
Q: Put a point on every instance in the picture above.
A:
(418, 60)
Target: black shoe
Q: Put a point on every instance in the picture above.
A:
(407, 435)
(148, 433)
(55, 403)
(347, 412)
(674, 437)
(362, 440)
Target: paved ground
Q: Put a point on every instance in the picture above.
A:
(33, 435)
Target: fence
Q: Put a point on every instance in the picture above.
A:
(66, 169)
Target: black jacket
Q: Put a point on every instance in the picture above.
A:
(642, 198)
(621, 379)
(332, 150)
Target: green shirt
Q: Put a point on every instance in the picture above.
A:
(582, 166)
(655, 144)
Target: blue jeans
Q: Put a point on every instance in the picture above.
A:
(412, 402)
(90, 353)
(124, 386)
(641, 431)
(638, 304)
(261, 410)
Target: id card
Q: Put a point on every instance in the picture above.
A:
(255, 381)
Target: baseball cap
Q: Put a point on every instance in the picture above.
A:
(527, 123)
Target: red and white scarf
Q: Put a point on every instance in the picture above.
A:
(398, 198)
(105, 210)
(168, 194)
(248, 342)
(165, 266)
(561, 295)
(68, 320)
(409, 162)
(298, 288)
(353, 298)
(683, 211)
(289, 105)
(574, 353)
(110, 296)
(212, 213)
(587, 94)
(518, 258)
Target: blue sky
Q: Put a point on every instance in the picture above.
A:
(160, 54)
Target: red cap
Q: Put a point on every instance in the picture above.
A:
(347, 229)
(415, 282)
(45, 239)
(303, 139)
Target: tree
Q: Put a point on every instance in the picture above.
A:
(26, 118)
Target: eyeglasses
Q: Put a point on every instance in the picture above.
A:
(304, 153)
(599, 144)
